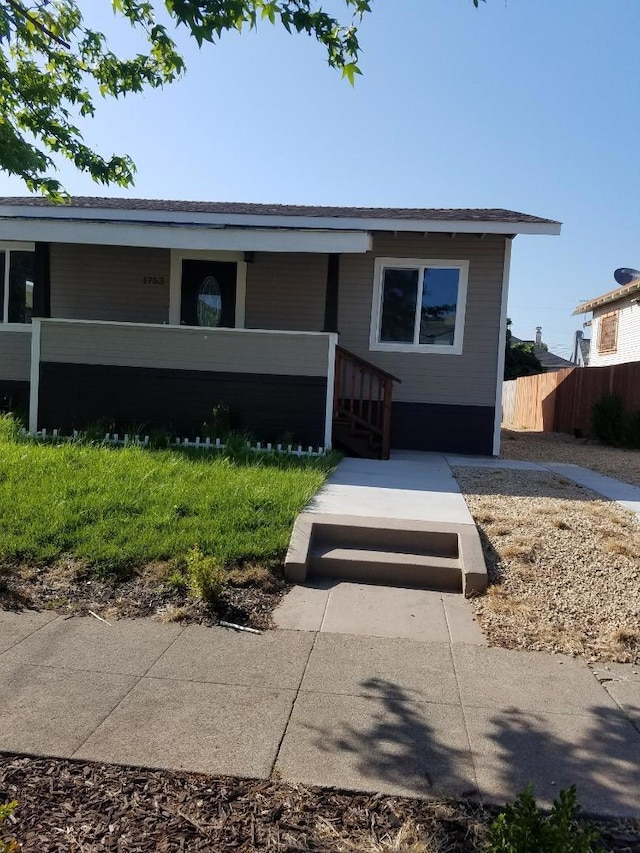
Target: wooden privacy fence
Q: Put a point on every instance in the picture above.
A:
(562, 401)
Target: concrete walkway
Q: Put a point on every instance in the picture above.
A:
(411, 486)
(438, 713)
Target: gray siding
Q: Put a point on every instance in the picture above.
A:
(286, 291)
(107, 283)
(468, 379)
(15, 355)
(216, 350)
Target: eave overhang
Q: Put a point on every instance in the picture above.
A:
(609, 298)
(276, 221)
(188, 236)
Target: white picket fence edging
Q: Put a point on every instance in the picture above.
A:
(198, 443)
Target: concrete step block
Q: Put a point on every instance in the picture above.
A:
(431, 542)
(399, 538)
(386, 567)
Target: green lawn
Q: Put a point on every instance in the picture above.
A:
(118, 509)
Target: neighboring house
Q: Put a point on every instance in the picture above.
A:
(549, 361)
(148, 312)
(581, 348)
(615, 325)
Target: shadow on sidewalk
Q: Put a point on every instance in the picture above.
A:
(400, 745)
(399, 748)
(598, 752)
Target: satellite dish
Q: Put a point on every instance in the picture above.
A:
(625, 275)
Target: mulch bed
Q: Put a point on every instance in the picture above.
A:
(245, 605)
(78, 806)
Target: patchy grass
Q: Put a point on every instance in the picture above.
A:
(117, 510)
(563, 564)
(618, 462)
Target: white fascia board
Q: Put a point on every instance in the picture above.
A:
(184, 237)
(244, 220)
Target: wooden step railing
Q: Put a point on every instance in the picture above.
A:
(362, 397)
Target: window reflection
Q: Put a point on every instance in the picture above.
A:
(439, 304)
(399, 305)
(18, 295)
(419, 305)
(209, 308)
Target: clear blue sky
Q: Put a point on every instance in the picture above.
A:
(525, 104)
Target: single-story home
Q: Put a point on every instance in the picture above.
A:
(615, 325)
(364, 327)
(549, 361)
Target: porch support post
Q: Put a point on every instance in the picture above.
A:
(331, 386)
(331, 294)
(34, 386)
(41, 281)
(502, 336)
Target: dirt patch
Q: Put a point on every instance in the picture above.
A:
(563, 564)
(67, 588)
(69, 805)
(557, 447)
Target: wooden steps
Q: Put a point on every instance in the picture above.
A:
(362, 400)
(355, 442)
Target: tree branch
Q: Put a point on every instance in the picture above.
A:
(19, 8)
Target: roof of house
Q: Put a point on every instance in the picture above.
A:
(548, 360)
(234, 226)
(609, 297)
(204, 214)
(551, 361)
(250, 209)
(585, 348)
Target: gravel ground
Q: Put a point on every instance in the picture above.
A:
(563, 564)
(558, 447)
(78, 806)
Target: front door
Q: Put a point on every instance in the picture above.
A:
(208, 294)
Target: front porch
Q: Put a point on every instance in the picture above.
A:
(273, 384)
(144, 336)
(282, 387)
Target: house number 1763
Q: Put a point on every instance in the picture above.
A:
(153, 279)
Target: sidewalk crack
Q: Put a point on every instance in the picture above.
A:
(293, 705)
(30, 634)
(137, 681)
(464, 720)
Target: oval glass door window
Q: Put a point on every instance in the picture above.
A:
(209, 307)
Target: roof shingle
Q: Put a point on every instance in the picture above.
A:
(249, 209)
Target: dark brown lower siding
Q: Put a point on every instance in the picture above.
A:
(74, 395)
(448, 429)
(14, 396)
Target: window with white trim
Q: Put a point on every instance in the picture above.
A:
(418, 305)
(16, 284)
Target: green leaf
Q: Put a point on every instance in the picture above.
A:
(53, 68)
(349, 71)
